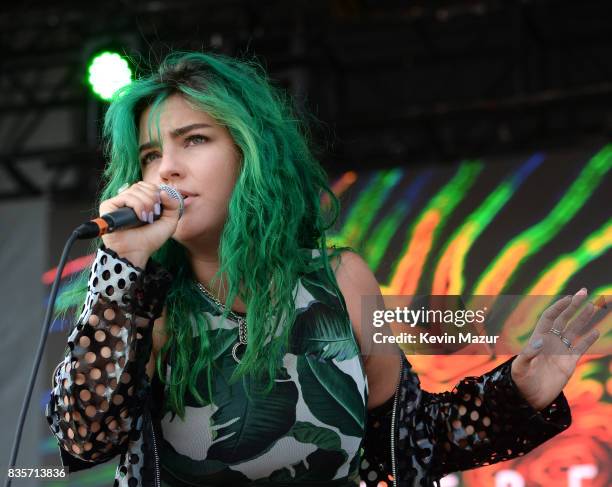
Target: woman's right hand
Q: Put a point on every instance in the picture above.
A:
(138, 243)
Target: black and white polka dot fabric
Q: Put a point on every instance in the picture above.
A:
(110, 278)
(99, 388)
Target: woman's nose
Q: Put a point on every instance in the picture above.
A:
(170, 167)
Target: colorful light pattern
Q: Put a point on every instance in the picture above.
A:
(527, 243)
(448, 277)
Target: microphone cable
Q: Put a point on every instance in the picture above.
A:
(39, 352)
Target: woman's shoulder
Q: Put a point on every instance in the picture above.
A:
(354, 276)
(351, 271)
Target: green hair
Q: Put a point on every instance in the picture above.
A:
(274, 211)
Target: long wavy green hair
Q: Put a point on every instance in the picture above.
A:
(274, 211)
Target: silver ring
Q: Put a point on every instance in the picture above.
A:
(566, 342)
(123, 187)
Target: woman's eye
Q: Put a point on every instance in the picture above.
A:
(196, 139)
(149, 157)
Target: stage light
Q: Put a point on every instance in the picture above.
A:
(108, 72)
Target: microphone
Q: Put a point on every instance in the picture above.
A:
(122, 218)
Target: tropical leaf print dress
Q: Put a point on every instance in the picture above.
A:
(307, 431)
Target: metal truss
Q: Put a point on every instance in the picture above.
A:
(393, 82)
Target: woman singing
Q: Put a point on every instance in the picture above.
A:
(224, 347)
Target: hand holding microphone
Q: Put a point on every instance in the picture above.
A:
(137, 207)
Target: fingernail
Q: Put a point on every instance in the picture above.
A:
(143, 216)
(157, 209)
(150, 217)
(582, 292)
(537, 343)
(159, 197)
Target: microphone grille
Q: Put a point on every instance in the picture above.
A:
(174, 194)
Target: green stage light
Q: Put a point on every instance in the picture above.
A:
(108, 72)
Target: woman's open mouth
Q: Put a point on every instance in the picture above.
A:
(187, 197)
(187, 200)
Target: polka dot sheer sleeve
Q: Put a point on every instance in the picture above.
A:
(483, 420)
(97, 389)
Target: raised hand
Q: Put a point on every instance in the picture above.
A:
(548, 361)
(137, 244)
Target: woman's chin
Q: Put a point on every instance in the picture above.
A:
(190, 237)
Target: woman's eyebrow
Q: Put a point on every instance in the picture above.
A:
(147, 145)
(183, 130)
(175, 133)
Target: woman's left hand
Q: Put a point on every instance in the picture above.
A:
(546, 364)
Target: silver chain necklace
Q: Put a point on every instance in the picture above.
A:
(242, 329)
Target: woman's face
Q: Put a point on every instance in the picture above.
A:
(199, 158)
